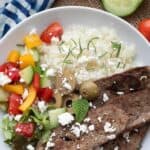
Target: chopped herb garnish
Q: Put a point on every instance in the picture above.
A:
(37, 68)
(70, 51)
(67, 62)
(116, 46)
(91, 42)
(20, 45)
(80, 108)
(118, 65)
(80, 48)
(102, 55)
(59, 46)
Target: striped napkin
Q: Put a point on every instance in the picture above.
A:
(14, 11)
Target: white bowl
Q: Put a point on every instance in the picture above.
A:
(78, 15)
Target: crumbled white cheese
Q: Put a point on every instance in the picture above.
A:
(25, 93)
(67, 86)
(83, 128)
(78, 146)
(76, 131)
(4, 79)
(79, 129)
(21, 80)
(91, 127)
(18, 130)
(116, 148)
(54, 40)
(18, 117)
(120, 93)
(99, 119)
(126, 135)
(42, 106)
(143, 77)
(87, 120)
(136, 130)
(11, 117)
(91, 105)
(50, 144)
(105, 97)
(33, 31)
(108, 128)
(111, 136)
(65, 118)
(30, 147)
(51, 72)
(44, 67)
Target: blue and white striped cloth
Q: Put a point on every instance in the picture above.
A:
(14, 11)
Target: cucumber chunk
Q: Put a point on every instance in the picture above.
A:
(45, 82)
(121, 7)
(3, 106)
(27, 74)
(3, 95)
(53, 115)
(35, 55)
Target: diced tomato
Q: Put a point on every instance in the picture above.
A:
(36, 81)
(14, 103)
(11, 69)
(45, 94)
(53, 30)
(25, 129)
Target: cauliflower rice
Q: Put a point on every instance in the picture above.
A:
(89, 52)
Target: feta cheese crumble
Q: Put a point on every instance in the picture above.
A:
(77, 129)
(91, 127)
(42, 106)
(4, 79)
(111, 136)
(126, 135)
(18, 117)
(65, 118)
(30, 147)
(105, 97)
(108, 128)
(99, 119)
(25, 93)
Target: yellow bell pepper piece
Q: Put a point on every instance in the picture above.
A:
(29, 100)
(32, 40)
(13, 56)
(14, 88)
(26, 60)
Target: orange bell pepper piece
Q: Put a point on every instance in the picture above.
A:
(29, 100)
(32, 41)
(14, 88)
(26, 60)
(13, 56)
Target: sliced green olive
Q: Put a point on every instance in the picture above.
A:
(89, 90)
(58, 99)
(68, 99)
(65, 81)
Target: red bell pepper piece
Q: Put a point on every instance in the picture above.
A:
(25, 129)
(53, 30)
(14, 103)
(36, 81)
(45, 94)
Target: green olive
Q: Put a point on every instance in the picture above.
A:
(89, 90)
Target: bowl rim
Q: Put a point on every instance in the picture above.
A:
(73, 7)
